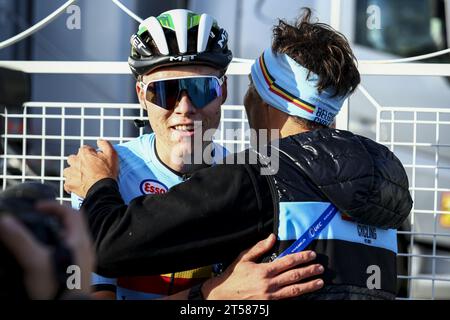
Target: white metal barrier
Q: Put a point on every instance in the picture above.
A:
(420, 137)
(52, 131)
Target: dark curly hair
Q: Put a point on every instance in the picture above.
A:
(320, 49)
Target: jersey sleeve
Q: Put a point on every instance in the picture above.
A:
(98, 282)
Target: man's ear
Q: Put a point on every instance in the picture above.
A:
(224, 89)
(140, 94)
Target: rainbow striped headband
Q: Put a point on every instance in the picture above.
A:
(284, 84)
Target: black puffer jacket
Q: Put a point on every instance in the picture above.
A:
(362, 178)
(367, 183)
(223, 210)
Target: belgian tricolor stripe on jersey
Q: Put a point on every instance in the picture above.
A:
(279, 91)
(166, 284)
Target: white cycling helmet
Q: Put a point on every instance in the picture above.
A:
(179, 37)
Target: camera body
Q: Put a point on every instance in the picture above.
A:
(19, 201)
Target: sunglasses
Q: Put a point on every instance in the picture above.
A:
(166, 93)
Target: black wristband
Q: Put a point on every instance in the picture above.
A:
(195, 293)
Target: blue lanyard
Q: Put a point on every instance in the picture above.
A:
(313, 232)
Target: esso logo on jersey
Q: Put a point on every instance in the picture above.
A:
(153, 187)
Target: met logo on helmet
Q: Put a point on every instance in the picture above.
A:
(150, 186)
(183, 58)
(223, 39)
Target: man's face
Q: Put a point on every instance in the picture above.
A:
(174, 128)
(255, 108)
(265, 121)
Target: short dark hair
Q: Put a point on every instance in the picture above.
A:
(308, 124)
(321, 49)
